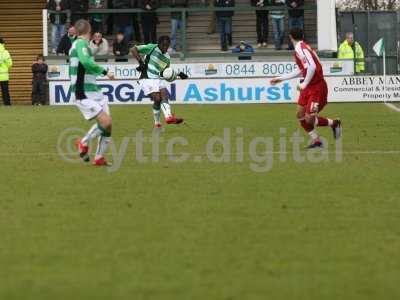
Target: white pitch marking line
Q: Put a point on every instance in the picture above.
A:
(392, 106)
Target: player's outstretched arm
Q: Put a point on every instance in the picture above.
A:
(296, 73)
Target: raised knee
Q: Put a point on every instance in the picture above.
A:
(309, 119)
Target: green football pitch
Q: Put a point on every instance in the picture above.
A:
(268, 220)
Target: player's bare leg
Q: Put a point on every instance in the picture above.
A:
(166, 109)
(105, 125)
(156, 109)
(100, 130)
(307, 122)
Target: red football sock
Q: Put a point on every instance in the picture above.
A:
(307, 127)
(322, 122)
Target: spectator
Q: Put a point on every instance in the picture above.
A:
(261, 22)
(212, 19)
(149, 21)
(99, 45)
(110, 19)
(224, 20)
(296, 16)
(79, 9)
(135, 22)
(351, 49)
(176, 21)
(57, 22)
(39, 81)
(124, 21)
(5, 66)
(66, 41)
(120, 48)
(97, 20)
(278, 24)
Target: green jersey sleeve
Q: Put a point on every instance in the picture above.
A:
(146, 49)
(86, 59)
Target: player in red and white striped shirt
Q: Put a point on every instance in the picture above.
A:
(313, 90)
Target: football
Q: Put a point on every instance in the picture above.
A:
(169, 74)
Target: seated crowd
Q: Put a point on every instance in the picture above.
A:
(142, 27)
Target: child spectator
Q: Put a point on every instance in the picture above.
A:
(66, 41)
(57, 22)
(39, 81)
(99, 45)
(224, 21)
(120, 48)
(278, 24)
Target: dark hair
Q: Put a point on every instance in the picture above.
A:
(297, 33)
(2, 40)
(40, 56)
(164, 38)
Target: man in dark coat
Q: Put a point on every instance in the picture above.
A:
(224, 21)
(66, 41)
(149, 21)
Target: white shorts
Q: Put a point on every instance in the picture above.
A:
(150, 86)
(91, 107)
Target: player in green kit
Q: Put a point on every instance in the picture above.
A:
(87, 94)
(156, 60)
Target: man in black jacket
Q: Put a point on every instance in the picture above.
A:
(79, 9)
(224, 20)
(39, 80)
(261, 22)
(120, 48)
(57, 21)
(296, 16)
(149, 21)
(66, 41)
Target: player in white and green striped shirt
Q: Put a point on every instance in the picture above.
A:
(152, 83)
(87, 94)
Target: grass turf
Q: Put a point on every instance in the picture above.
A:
(200, 230)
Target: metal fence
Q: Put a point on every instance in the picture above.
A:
(368, 27)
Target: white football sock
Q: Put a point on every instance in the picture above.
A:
(102, 146)
(157, 114)
(166, 109)
(93, 132)
(313, 134)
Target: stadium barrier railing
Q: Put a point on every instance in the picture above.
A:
(184, 11)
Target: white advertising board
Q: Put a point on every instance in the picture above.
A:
(234, 90)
